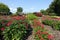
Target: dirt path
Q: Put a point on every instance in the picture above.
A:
(30, 37)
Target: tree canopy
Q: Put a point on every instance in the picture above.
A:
(19, 9)
(4, 9)
(54, 7)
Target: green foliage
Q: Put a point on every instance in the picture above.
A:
(44, 12)
(48, 22)
(53, 23)
(52, 14)
(54, 7)
(4, 9)
(31, 16)
(56, 25)
(19, 9)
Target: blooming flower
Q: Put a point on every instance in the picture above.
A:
(2, 29)
(42, 25)
(50, 36)
(38, 32)
(44, 32)
(9, 23)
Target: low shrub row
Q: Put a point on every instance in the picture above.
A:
(55, 24)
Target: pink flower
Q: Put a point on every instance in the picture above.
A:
(50, 36)
(42, 25)
(44, 32)
(16, 17)
(2, 29)
(9, 23)
(38, 32)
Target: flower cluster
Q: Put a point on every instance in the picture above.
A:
(44, 35)
(37, 23)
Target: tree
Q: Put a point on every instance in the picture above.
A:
(4, 9)
(19, 10)
(54, 7)
(43, 12)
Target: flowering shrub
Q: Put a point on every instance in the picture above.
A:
(14, 28)
(40, 32)
(38, 14)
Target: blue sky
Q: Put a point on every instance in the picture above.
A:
(27, 5)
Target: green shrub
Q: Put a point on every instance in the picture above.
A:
(44, 12)
(53, 23)
(52, 14)
(56, 25)
(31, 16)
(48, 22)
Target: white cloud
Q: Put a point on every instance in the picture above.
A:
(32, 8)
(13, 10)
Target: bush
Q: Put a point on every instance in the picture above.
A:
(55, 24)
(52, 14)
(31, 16)
(16, 29)
(4, 9)
(38, 14)
(44, 12)
(48, 22)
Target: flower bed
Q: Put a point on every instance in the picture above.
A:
(15, 28)
(40, 33)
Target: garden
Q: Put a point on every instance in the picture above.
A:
(43, 25)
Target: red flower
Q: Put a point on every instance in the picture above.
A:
(16, 17)
(38, 32)
(42, 25)
(42, 39)
(44, 32)
(9, 23)
(2, 29)
(50, 36)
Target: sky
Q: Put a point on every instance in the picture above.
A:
(27, 5)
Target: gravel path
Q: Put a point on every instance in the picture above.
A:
(54, 32)
(31, 37)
